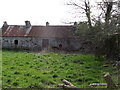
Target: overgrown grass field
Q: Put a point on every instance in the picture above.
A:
(31, 70)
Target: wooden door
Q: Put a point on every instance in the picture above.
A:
(45, 43)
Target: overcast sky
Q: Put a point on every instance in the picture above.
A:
(15, 12)
(37, 11)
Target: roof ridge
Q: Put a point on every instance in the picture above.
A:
(45, 26)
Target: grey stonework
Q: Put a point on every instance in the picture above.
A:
(36, 43)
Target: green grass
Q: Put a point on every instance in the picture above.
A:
(23, 70)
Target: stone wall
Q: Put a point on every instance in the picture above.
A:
(36, 43)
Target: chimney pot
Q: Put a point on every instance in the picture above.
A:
(47, 23)
(28, 24)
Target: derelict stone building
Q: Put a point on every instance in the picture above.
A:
(31, 37)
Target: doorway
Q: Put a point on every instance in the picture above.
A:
(45, 43)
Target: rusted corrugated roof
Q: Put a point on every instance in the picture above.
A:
(38, 31)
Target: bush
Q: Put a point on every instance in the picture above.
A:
(110, 47)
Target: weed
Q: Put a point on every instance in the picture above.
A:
(55, 76)
(15, 84)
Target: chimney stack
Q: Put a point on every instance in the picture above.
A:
(75, 24)
(28, 24)
(75, 27)
(47, 23)
(5, 24)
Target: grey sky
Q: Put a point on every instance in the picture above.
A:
(36, 11)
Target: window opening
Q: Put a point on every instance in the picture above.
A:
(16, 42)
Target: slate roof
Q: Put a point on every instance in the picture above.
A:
(38, 31)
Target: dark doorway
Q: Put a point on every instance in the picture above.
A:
(45, 43)
(60, 46)
(16, 42)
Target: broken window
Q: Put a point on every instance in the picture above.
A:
(16, 42)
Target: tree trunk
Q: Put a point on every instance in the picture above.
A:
(87, 10)
(108, 13)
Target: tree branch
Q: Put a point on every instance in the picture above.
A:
(97, 84)
(74, 4)
(68, 84)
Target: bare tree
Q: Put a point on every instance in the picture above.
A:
(108, 9)
(85, 7)
(109, 6)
